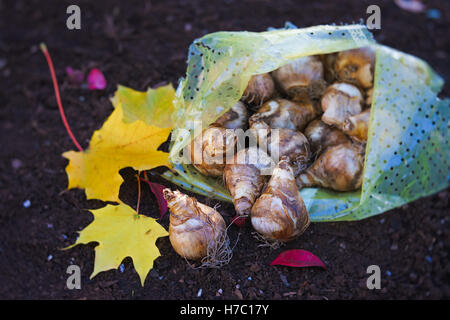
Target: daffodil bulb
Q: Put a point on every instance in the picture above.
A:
(356, 66)
(209, 149)
(235, 118)
(321, 136)
(196, 231)
(340, 101)
(281, 113)
(280, 213)
(259, 89)
(339, 168)
(301, 78)
(357, 126)
(282, 143)
(244, 178)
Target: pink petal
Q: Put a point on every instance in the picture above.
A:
(75, 76)
(96, 80)
(415, 6)
(297, 258)
(157, 191)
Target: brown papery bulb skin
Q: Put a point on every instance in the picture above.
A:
(259, 89)
(283, 143)
(328, 61)
(208, 150)
(243, 178)
(356, 66)
(282, 113)
(369, 96)
(193, 226)
(321, 136)
(301, 78)
(280, 213)
(235, 118)
(339, 168)
(340, 101)
(357, 126)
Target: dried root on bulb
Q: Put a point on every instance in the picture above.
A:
(244, 179)
(209, 149)
(302, 78)
(356, 66)
(285, 114)
(259, 89)
(196, 231)
(280, 214)
(235, 118)
(340, 101)
(357, 126)
(265, 242)
(321, 136)
(339, 168)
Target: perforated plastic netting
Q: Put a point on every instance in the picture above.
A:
(407, 150)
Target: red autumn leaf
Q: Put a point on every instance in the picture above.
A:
(157, 191)
(96, 80)
(297, 258)
(239, 221)
(75, 76)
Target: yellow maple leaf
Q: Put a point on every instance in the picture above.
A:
(115, 146)
(154, 106)
(121, 233)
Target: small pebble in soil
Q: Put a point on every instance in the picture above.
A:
(388, 273)
(342, 245)
(238, 294)
(413, 276)
(49, 225)
(238, 286)
(429, 259)
(26, 203)
(220, 291)
(199, 293)
(16, 163)
(255, 267)
(288, 294)
(154, 273)
(283, 278)
(122, 268)
(249, 278)
(382, 220)
(64, 236)
(82, 99)
(433, 14)
(50, 257)
(2, 63)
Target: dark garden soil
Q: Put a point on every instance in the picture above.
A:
(141, 44)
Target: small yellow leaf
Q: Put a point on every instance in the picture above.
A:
(154, 107)
(115, 146)
(121, 233)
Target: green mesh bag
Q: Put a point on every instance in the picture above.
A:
(407, 149)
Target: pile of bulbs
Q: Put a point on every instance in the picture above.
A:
(320, 106)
